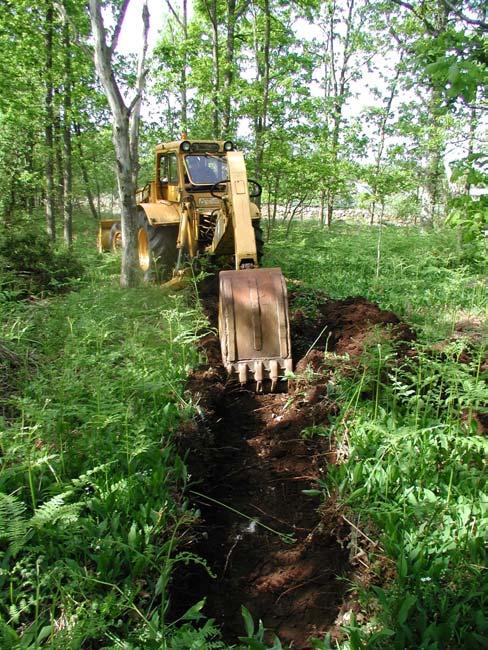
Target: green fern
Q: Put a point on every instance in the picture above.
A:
(56, 510)
(13, 523)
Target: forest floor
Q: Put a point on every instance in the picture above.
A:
(350, 508)
(257, 465)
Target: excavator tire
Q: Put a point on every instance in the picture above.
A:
(157, 250)
(258, 233)
(116, 237)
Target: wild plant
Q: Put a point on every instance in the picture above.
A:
(92, 514)
(413, 462)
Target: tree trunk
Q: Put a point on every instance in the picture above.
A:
(263, 68)
(473, 123)
(322, 207)
(84, 174)
(135, 116)
(58, 151)
(121, 115)
(330, 207)
(184, 88)
(434, 167)
(216, 68)
(233, 14)
(337, 82)
(67, 148)
(48, 128)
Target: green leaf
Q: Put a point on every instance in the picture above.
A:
(193, 614)
(406, 606)
(248, 622)
(132, 536)
(312, 493)
(44, 633)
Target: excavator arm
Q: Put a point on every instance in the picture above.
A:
(253, 306)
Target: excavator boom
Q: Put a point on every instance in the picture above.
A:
(253, 306)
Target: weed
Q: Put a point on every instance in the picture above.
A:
(92, 516)
(414, 466)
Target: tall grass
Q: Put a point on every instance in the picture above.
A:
(92, 517)
(415, 470)
(419, 275)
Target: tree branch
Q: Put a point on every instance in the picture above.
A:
(118, 25)
(413, 9)
(135, 105)
(467, 19)
(171, 8)
(61, 9)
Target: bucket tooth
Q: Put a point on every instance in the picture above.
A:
(243, 373)
(259, 375)
(274, 374)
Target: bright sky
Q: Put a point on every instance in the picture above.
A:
(129, 43)
(130, 35)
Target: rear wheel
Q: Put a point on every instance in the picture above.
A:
(258, 233)
(116, 237)
(157, 250)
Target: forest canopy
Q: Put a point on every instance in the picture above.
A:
(376, 105)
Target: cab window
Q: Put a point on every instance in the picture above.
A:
(206, 169)
(169, 169)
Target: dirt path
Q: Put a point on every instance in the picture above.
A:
(253, 465)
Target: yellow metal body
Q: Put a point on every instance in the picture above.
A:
(234, 231)
(103, 237)
(253, 307)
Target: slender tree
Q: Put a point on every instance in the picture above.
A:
(67, 146)
(49, 123)
(125, 120)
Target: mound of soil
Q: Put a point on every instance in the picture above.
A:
(343, 326)
(258, 471)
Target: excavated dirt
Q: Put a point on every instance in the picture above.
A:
(253, 466)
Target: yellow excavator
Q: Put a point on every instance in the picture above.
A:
(200, 203)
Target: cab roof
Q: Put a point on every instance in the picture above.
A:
(175, 145)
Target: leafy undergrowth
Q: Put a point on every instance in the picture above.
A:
(30, 266)
(411, 435)
(418, 274)
(91, 512)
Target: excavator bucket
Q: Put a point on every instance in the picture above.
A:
(254, 326)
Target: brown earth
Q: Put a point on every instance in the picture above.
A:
(253, 465)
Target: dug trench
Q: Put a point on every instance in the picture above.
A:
(254, 476)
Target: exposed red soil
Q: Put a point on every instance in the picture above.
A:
(248, 452)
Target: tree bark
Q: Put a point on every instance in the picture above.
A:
(213, 17)
(263, 70)
(322, 207)
(58, 156)
(135, 117)
(183, 23)
(84, 173)
(121, 114)
(184, 86)
(234, 12)
(67, 146)
(434, 166)
(48, 129)
(338, 84)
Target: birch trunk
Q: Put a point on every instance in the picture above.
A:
(121, 120)
(49, 139)
(67, 147)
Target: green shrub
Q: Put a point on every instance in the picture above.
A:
(29, 265)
